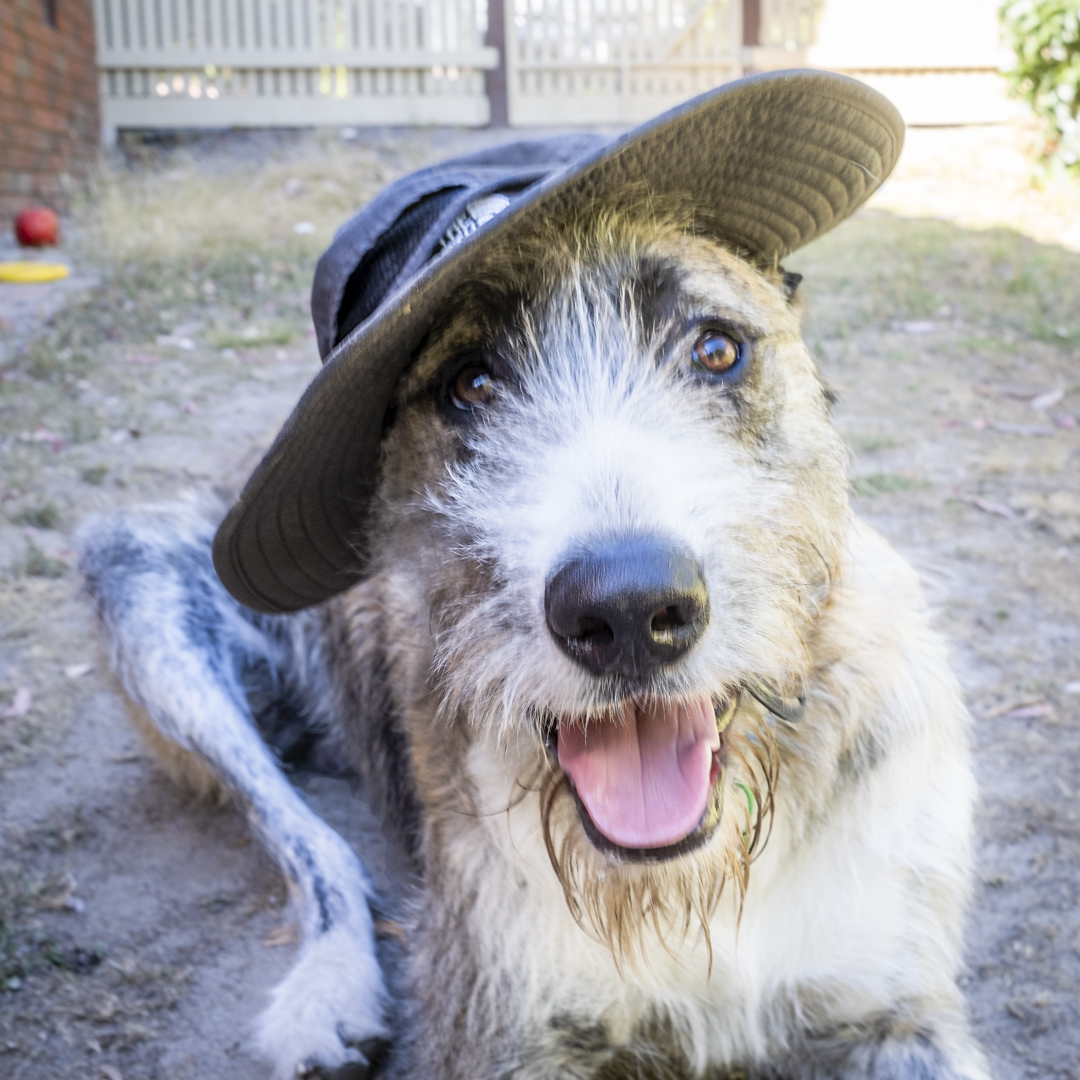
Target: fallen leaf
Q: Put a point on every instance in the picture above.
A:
(1066, 421)
(59, 893)
(54, 440)
(1029, 712)
(286, 934)
(20, 704)
(184, 343)
(1001, 710)
(1042, 402)
(989, 507)
(110, 1072)
(77, 671)
(1063, 503)
(1022, 429)
(1023, 392)
(1072, 687)
(917, 326)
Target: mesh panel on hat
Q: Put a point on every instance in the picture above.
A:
(369, 283)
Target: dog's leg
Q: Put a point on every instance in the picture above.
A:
(180, 644)
(930, 1043)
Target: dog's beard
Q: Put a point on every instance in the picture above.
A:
(630, 905)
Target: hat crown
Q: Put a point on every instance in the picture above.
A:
(767, 163)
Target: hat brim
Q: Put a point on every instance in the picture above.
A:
(770, 162)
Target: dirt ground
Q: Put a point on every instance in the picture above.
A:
(139, 933)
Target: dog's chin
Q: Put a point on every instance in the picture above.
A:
(664, 760)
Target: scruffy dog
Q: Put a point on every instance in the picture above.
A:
(664, 728)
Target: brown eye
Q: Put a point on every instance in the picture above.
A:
(473, 388)
(716, 353)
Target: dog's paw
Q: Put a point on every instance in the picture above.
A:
(374, 1052)
(327, 1011)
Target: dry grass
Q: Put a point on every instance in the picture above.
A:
(982, 177)
(181, 207)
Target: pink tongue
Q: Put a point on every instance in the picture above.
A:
(645, 781)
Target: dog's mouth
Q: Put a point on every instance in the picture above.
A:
(646, 779)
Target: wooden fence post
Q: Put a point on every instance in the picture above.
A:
(751, 33)
(495, 78)
(751, 22)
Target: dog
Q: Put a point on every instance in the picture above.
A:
(664, 729)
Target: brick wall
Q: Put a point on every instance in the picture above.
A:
(48, 100)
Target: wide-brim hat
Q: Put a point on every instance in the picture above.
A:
(767, 163)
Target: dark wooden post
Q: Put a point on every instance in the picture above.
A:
(495, 78)
(751, 22)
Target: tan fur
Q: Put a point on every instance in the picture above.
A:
(626, 906)
(815, 932)
(189, 772)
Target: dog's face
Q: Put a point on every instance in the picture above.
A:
(611, 474)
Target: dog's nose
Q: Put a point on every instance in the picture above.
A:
(627, 606)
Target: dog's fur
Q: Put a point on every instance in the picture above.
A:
(817, 933)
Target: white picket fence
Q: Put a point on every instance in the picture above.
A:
(615, 61)
(936, 60)
(219, 63)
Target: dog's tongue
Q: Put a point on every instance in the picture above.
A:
(645, 781)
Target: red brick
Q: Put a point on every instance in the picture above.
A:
(48, 99)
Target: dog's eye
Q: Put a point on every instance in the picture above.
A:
(473, 388)
(716, 353)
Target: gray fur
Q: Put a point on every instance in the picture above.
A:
(817, 933)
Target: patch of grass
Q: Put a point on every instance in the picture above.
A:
(50, 357)
(26, 948)
(38, 564)
(883, 484)
(94, 475)
(175, 207)
(251, 337)
(40, 517)
(998, 280)
(14, 902)
(871, 442)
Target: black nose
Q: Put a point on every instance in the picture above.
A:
(628, 606)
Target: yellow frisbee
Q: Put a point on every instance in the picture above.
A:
(32, 272)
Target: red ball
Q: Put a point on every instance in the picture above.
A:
(37, 226)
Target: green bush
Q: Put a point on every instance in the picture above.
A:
(1045, 37)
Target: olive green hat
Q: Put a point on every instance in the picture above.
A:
(767, 162)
